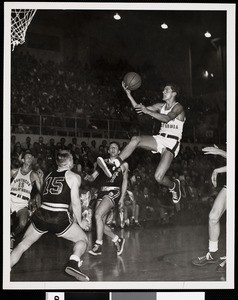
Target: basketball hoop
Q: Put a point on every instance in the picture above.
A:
(20, 20)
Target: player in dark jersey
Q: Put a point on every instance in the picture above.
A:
(60, 189)
(111, 192)
(215, 215)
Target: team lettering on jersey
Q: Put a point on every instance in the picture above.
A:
(22, 184)
(169, 126)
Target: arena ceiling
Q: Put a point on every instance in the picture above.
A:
(139, 32)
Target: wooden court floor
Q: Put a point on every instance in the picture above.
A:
(152, 253)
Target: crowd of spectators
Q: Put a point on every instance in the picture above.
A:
(60, 92)
(152, 201)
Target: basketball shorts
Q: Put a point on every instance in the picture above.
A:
(163, 143)
(17, 204)
(112, 193)
(57, 222)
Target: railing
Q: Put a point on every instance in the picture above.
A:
(99, 128)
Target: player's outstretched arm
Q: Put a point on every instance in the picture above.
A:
(128, 93)
(38, 179)
(91, 177)
(215, 173)
(74, 182)
(176, 110)
(214, 150)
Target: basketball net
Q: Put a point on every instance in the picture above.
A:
(20, 20)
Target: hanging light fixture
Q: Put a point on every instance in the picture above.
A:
(117, 16)
(164, 26)
(207, 34)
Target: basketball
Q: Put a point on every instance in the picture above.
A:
(132, 81)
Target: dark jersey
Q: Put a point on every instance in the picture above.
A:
(117, 175)
(56, 189)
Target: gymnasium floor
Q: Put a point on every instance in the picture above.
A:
(152, 253)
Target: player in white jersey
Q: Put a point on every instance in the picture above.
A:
(22, 183)
(167, 142)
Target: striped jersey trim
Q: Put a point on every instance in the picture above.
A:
(55, 206)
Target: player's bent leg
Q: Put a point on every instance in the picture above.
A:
(23, 215)
(30, 237)
(102, 209)
(215, 214)
(78, 236)
(145, 142)
(164, 164)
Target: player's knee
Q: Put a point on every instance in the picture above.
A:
(98, 216)
(85, 239)
(159, 177)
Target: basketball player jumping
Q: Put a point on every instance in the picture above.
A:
(218, 208)
(112, 191)
(60, 189)
(167, 142)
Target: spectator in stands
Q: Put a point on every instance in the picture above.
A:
(62, 142)
(51, 146)
(75, 143)
(27, 145)
(83, 148)
(13, 142)
(94, 150)
(17, 151)
(41, 146)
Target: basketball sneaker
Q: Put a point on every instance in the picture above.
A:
(119, 244)
(73, 269)
(97, 250)
(221, 268)
(209, 258)
(176, 192)
(101, 163)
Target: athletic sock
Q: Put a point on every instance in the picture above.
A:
(74, 257)
(99, 242)
(213, 246)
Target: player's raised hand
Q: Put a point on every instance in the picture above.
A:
(125, 88)
(212, 150)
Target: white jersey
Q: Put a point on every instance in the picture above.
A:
(173, 127)
(21, 185)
